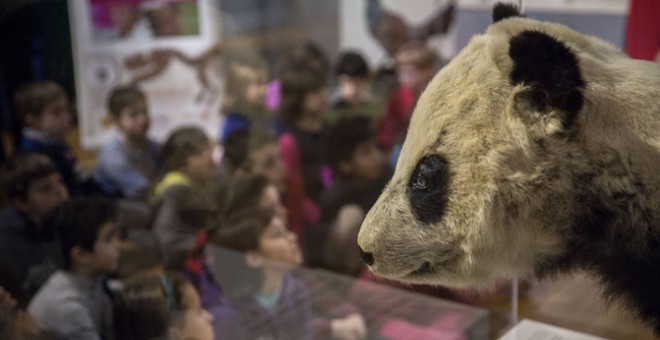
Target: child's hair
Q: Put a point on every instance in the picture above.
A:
(21, 170)
(419, 54)
(296, 84)
(242, 230)
(306, 55)
(241, 144)
(122, 96)
(343, 137)
(77, 223)
(181, 144)
(147, 305)
(244, 192)
(32, 99)
(241, 70)
(352, 64)
(140, 253)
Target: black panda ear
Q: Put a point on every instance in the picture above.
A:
(551, 70)
(502, 11)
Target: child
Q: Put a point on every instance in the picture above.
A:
(360, 170)
(417, 63)
(46, 115)
(184, 205)
(352, 73)
(34, 187)
(129, 161)
(246, 86)
(73, 303)
(161, 306)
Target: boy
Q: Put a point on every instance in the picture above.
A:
(73, 303)
(352, 74)
(129, 161)
(33, 187)
(46, 115)
(360, 174)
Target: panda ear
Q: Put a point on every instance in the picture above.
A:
(551, 72)
(503, 10)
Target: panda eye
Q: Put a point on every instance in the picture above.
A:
(427, 189)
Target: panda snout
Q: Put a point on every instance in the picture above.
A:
(367, 257)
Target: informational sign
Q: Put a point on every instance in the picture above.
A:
(169, 48)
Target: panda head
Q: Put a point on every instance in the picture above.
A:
(485, 184)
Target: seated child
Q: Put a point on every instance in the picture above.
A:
(160, 306)
(360, 175)
(73, 303)
(184, 205)
(34, 187)
(129, 161)
(46, 115)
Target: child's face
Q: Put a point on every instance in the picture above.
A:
(55, 118)
(415, 78)
(367, 162)
(270, 199)
(353, 89)
(42, 196)
(196, 323)
(104, 259)
(134, 120)
(279, 244)
(200, 166)
(267, 161)
(257, 89)
(316, 102)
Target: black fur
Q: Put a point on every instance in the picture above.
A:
(502, 11)
(552, 71)
(427, 189)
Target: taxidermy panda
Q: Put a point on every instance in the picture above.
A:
(535, 151)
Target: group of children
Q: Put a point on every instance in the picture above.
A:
(145, 246)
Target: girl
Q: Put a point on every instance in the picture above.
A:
(160, 306)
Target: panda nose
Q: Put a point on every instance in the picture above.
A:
(368, 258)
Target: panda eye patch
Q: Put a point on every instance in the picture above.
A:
(427, 189)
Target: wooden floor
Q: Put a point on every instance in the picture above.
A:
(571, 302)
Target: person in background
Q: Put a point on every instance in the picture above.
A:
(129, 161)
(74, 303)
(160, 306)
(353, 77)
(416, 65)
(16, 323)
(643, 30)
(46, 115)
(184, 205)
(34, 187)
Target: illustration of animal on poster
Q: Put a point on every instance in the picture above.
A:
(169, 48)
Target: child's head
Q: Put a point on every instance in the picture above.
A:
(305, 55)
(189, 150)
(246, 83)
(304, 94)
(352, 151)
(33, 185)
(154, 306)
(128, 108)
(263, 236)
(352, 74)
(263, 157)
(88, 238)
(253, 191)
(417, 63)
(44, 106)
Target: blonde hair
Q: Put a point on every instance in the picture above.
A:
(242, 69)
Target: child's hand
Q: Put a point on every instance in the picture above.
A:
(351, 327)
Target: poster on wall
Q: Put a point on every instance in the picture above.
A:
(169, 48)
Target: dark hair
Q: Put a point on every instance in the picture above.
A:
(244, 192)
(305, 55)
(122, 96)
(241, 144)
(295, 85)
(20, 171)
(352, 64)
(140, 253)
(77, 223)
(342, 138)
(34, 97)
(242, 230)
(147, 305)
(419, 54)
(181, 144)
